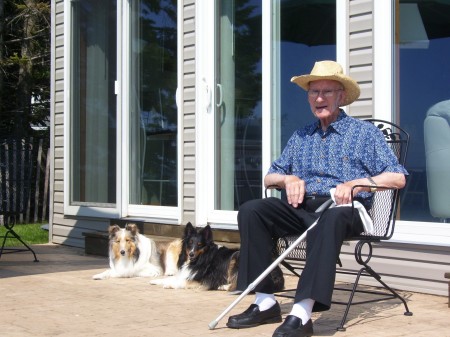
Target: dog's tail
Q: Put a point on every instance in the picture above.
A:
(169, 253)
(277, 278)
(276, 274)
(154, 257)
(233, 268)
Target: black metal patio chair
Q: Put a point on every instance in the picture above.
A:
(383, 213)
(15, 184)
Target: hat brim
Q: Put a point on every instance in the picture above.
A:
(351, 87)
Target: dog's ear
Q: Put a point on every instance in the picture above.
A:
(132, 227)
(189, 230)
(207, 234)
(113, 229)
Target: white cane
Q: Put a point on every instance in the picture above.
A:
(269, 269)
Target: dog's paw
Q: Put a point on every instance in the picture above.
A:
(101, 276)
(157, 282)
(224, 287)
(171, 272)
(96, 277)
(167, 283)
(149, 274)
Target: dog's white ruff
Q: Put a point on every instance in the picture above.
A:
(146, 266)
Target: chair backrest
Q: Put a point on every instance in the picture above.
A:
(15, 175)
(385, 202)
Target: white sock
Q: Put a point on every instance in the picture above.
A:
(264, 301)
(303, 309)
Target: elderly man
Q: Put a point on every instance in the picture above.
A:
(337, 151)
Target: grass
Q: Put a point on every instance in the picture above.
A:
(30, 233)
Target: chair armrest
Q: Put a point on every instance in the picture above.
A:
(271, 187)
(379, 188)
(380, 218)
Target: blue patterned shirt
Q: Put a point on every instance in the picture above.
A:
(349, 149)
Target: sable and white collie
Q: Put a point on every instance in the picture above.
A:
(131, 254)
(204, 264)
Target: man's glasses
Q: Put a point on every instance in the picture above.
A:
(325, 93)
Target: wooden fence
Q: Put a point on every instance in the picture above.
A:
(24, 179)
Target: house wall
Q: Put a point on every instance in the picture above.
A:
(409, 267)
(360, 55)
(189, 111)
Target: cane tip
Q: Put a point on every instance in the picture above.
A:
(212, 325)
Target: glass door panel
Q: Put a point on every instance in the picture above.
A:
(423, 101)
(297, 41)
(303, 32)
(238, 117)
(153, 110)
(93, 103)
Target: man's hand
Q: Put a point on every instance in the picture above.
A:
(343, 194)
(295, 190)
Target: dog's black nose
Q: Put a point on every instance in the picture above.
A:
(122, 252)
(191, 254)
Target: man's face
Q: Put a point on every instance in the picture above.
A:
(325, 97)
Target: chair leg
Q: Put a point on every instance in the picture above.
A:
(290, 268)
(366, 270)
(370, 272)
(349, 303)
(377, 276)
(10, 232)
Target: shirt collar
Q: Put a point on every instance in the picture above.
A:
(339, 125)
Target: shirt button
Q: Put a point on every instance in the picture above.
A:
(318, 180)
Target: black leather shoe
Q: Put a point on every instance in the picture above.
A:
(253, 317)
(293, 327)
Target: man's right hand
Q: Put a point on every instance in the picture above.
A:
(295, 190)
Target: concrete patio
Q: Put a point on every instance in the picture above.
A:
(57, 297)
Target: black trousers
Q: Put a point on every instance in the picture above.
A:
(263, 220)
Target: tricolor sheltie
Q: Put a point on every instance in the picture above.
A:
(131, 254)
(204, 264)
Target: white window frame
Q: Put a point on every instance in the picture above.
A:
(204, 98)
(94, 210)
(383, 58)
(160, 214)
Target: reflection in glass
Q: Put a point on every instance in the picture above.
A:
(238, 103)
(297, 44)
(153, 110)
(93, 102)
(423, 49)
(304, 32)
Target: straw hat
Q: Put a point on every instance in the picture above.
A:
(330, 70)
